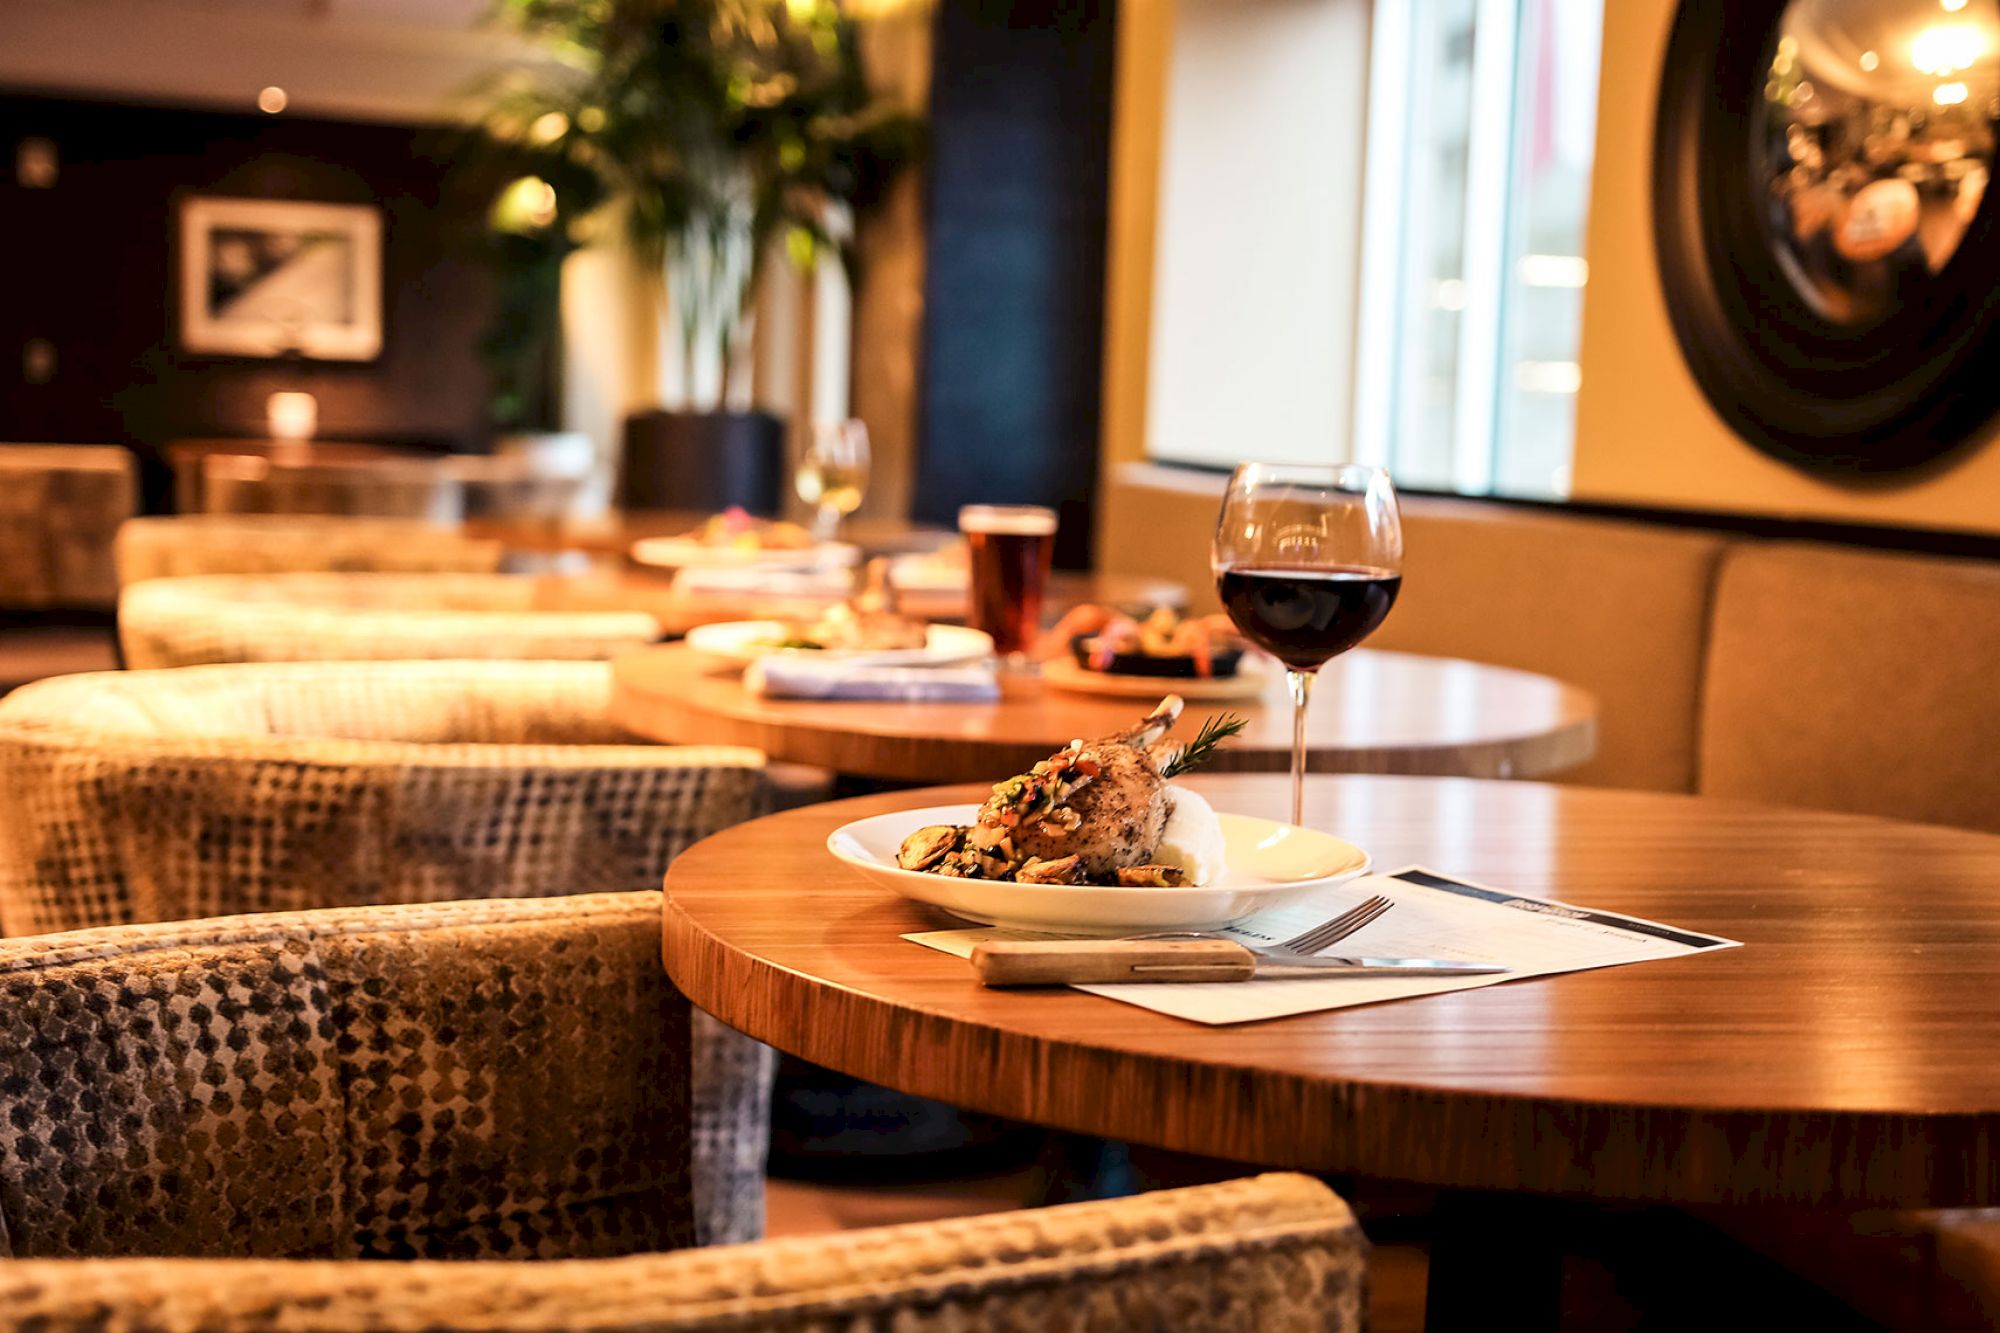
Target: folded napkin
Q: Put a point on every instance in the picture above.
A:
(791, 678)
(723, 581)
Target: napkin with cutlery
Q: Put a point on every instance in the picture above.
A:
(790, 677)
(1435, 917)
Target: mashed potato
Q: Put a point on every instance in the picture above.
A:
(1192, 841)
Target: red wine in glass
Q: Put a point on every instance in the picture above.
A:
(1308, 560)
(1304, 615)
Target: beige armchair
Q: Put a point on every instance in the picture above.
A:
(256, 1102)
(195, 544)
(350, 617)
(59, 506)
(1272, 1254)
(156, 796)
(500, 1080)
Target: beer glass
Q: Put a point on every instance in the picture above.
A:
(1010, 547)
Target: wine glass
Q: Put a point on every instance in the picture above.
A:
(833, 473)
(1307, 560)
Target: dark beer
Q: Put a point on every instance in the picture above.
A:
(1011, 547)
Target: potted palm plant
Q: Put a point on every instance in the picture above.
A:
(721, 135)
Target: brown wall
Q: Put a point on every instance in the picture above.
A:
(1645, 434)
(88, 265)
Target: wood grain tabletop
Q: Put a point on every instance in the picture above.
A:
(1844, 1055)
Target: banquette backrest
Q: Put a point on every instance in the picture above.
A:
(1616, 608)
(1791, 672)
(1854, 680)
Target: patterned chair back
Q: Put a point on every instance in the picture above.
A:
(499, 1080)
(343, 617)
(188, 545)
(172, 795)
(1273, 1254)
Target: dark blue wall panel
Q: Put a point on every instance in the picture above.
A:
(1014, 285)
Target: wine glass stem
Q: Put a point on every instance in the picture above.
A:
(1301, 683)
(827, 524)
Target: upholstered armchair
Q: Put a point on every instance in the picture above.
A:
(189, 545)
(59, 506)
(159, 796)
(1272, 1254)
(323, 617)
(255, 1103)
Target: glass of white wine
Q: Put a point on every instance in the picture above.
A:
(833, 473)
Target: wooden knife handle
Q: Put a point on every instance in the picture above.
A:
(1062, 962)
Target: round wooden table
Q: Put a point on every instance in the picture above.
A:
(1372, 712)
(653, 592)
(1842, 1057)
(613, 534)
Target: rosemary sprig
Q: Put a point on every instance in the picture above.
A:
(1202, 748)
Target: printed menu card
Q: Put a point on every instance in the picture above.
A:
(1435, 916)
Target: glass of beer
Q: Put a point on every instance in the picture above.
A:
(1010, 547)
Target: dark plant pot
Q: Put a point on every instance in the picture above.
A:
(703, 461)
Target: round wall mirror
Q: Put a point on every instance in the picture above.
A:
(1821, 221)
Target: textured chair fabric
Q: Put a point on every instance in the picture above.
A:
(422, 489)
(454, 1081)
(169, 795)
(1273, 1254)
(195, 544)
(1855, 681)
(351, 617)
(60, 505)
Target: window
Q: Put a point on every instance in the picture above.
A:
(1482, 121)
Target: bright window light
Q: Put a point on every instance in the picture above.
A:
(1482, 129)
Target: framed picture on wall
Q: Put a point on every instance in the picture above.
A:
(272, 278)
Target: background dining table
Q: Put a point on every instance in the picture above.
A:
(654, 592)
(612, 535)
(1372, 712)
(1842, 1057)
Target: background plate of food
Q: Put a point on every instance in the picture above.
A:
(1100, 650)
(736, 539)
(745, 641)
(1097, 839)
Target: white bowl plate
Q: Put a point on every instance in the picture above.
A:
(1268, 864)
(686, 553)
(744, 641)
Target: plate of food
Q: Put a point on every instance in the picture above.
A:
(1099, 650)
(735, 538)
(1098, 839)
(867, 627)
(840, 633)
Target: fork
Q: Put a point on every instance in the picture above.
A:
(1324, 935)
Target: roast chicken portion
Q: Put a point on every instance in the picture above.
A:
(1092, 813)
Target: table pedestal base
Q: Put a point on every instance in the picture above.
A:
(1498, 1261)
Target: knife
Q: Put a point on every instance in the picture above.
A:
(1084, 962)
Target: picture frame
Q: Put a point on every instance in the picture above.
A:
(1839, 394)
(274, 278)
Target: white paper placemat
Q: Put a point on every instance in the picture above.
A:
(1436, 916)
